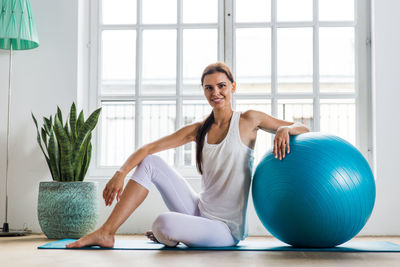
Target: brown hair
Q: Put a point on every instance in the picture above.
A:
(205, 127)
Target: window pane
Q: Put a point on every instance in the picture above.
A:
(338, 117)
(194, 61)
(117, 132)
(264, 141)
(159, 62)
(193, 111)
(158, 120)
(337, 63)
(294, 10)
(118, 61)
(296, 110)
(253, 10)
(119, 11)
(159, 11)
(253, 60)
(295, 60)
(336, 10)
(195, 11)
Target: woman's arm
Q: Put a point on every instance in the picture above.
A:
(183, 136)
(282, 129)
(114, 187)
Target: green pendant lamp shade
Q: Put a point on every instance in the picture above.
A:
(16, 23)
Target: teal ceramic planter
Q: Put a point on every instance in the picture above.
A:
(67, 209)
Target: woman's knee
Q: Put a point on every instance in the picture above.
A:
(150, 163)
(163, 229)
(151, 159)
(163, 223)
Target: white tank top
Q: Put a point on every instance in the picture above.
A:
(227, 169)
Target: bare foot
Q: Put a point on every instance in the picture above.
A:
(98, 237)
(151, 236)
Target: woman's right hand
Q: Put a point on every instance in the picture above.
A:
(113, 188)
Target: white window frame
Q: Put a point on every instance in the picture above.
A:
(226, 52)
(362, 94)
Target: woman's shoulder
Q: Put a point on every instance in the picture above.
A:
(250, 115)
(197, 124)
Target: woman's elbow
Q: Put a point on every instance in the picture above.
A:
(305, 129)
(300, 128)
(146, 149)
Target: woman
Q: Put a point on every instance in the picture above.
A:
(224, 155)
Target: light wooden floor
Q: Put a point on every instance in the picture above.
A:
(22, 251)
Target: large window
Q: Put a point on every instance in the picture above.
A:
(298, 60)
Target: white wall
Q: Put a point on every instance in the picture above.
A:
(386, 97)
(48, 76)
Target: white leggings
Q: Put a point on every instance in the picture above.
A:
(184, 222)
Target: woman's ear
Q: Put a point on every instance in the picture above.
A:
(233, 87)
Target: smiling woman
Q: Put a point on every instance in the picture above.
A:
(225, 142)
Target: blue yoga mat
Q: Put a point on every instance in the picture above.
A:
(351, 246)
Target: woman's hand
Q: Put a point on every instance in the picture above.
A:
(281, 141)
(113, 188)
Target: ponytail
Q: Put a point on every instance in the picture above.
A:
(200, 136)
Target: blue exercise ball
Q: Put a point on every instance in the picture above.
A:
(320, 195)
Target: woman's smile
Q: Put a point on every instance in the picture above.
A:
(217, 100)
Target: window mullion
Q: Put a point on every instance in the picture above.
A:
(179, 83)
(274, 69)
(229, 34)
(229, 39)
(362, 84)
(316, 100)
(95, 62)
(139, 59)
(221, 30)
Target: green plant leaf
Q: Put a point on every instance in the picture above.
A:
(79, 122)
(83, 131)
(54, 157)
(47, 125)
(81, 159)
(38, 135)
(86, 160)
(68, 132)
(40, 143)
(59, 115)
(44, 138)
(72, 122)
(66, 169)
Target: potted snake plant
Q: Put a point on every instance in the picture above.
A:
(67, 206)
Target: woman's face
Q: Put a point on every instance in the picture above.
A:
(218, 90)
